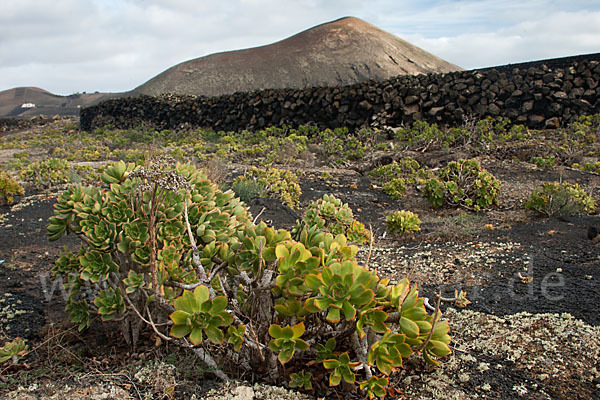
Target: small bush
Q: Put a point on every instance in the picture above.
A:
(47, 173)
(421, 135)
(326, 175)
(478, 136)
(247, 189)
(340, 144)
(272, 182)
(12, 351)
(9, 187)
(589, 167)
(131, 155)
(398, 174)
(329, 214)
(464, 183)
(556, 199)
(163, 247)
(22, 155)
(543, 162)
(401, 222)
(586, 127)
(407, 168)
(215, 170)
(395, 188)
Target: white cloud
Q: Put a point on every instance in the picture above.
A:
(114, 45)
(555, 35)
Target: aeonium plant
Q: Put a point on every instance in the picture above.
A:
(163, 247)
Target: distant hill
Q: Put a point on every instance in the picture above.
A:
(341, 52)
(26, 102)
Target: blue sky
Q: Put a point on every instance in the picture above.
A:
(69, 46)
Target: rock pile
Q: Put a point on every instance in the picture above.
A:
(11, 124)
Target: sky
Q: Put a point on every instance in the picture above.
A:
(74, 46)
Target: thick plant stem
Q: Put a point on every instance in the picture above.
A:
(195, 252)
(361, 352)
(210, 362)
(370, 247)
(435, 317)
(273, 371)
(153, 263)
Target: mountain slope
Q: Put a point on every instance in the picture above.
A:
(341, 52)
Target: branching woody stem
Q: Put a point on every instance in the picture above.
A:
(152, 233)
(166, 338)
(370, 247)
(434, 321)
(361, 352)
(195, 253)
(207, 358)
(190, 286)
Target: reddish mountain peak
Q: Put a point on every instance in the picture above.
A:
(341, 52)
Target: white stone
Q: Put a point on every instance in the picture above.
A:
(243, 393)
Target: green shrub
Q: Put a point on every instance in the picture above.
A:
(341, 145)
(464, 183)
(264, 147)
(421, 135)
(12, 351)
(396, 188)
(136, 224)
(271, 182)
(22, 156)
(179, 154)
(329, 214)
(401, 222)
(479, 136)
(18, 162)
(91, 152)
(164, 247)
(47, 173)
(586, 128)
(326, 176)
(555, 199)
(398, 174)
(84, 173)
(131, 155)
(9, 187)
(407, 168)
(589, 167)
(543, 162)
(247, 189)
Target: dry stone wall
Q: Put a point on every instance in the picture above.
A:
(11, 124)
(539, 95)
